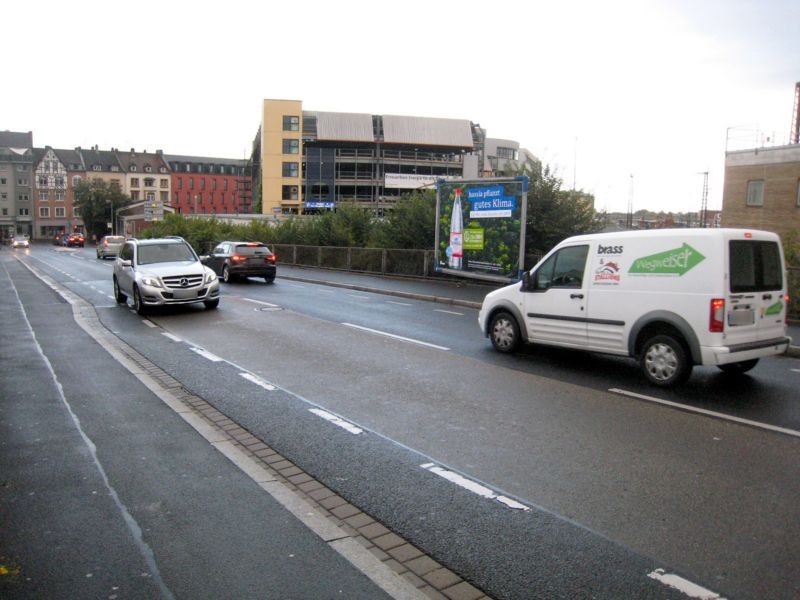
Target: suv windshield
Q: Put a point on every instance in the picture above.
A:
(160, 253)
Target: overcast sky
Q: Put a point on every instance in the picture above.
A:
(621, 98)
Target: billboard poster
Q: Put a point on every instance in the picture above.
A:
(480, 230)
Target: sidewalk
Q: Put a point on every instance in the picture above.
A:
(466, 293)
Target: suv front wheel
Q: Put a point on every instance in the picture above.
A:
(118, 295)
(138, 305)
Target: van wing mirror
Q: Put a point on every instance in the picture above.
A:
(526, 280)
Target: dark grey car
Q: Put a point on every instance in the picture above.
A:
(231, 260)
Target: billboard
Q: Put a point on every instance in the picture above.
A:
(480, 229)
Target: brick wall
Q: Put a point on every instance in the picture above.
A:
(781, 175)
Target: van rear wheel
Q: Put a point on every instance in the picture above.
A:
(504, 333)
(664, 361)
(738, 368)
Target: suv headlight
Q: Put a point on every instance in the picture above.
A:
(211, 277)
(151, 281)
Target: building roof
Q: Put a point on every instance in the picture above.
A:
(141, 160)
(71, 159)
(350, 127)
(206, 160)
(16, 139)
(92, 157)
(427, 131)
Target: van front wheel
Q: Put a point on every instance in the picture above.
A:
(504, 333)
(664, 361)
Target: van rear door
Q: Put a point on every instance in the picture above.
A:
(756, 306)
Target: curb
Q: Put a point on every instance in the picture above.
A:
(397, 293)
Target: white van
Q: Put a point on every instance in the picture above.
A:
(670, 298)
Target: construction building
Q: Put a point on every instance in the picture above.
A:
(311, 161)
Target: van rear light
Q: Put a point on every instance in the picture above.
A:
(716, 321)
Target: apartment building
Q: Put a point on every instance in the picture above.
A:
(762, 189)
(312, 160)
(55, 173)
(16, 191)
(204, 185)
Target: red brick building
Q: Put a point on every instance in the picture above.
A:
(207, 186)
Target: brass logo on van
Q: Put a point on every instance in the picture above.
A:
(672, 262)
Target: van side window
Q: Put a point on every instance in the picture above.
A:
(755, 266)
(564, 269)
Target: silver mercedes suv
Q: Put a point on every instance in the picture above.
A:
(160, 272)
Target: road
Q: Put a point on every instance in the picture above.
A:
(615, 485)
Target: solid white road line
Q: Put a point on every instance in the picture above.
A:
(174, 338)
(709, 413)
(684, 585)
(396, 337)
(206, 354)
(336, 420)
(449, 312)
(257, 302)
(258, 381)
(472, 486)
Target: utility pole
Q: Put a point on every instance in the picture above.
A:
(704, 202)
(629, 220)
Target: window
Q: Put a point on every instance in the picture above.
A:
(24, 212)
(76, 179)
(76, 212)
(22, 181)
(59, 182)
(755, 266)
(114, 168)
(60, 196)
(149, 182)
(202, 184)
(564, 269)
(148, 169)
(5, 212)
(291, 146)
(225, 185)
(150, 196)
(135, 182)
(291, 123)
(507, 153)
(291, 169)
(2, 180)
(180, 183)
(134, 194)
(289, 192)
(42, 196)
(164, 196)
(42, 182)
(164, 183)
(61, 212)
(755, 193)
(96, 168)
(133, 168)
(44, 212)
(191, 183)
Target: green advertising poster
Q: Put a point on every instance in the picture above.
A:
(481, 227)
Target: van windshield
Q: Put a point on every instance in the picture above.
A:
(755, 266)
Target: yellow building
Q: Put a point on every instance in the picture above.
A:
(281, 156)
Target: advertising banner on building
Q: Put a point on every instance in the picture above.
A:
(480, 229)
(410, 182)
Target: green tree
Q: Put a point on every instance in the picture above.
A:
(97, 200)
(410, 225)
